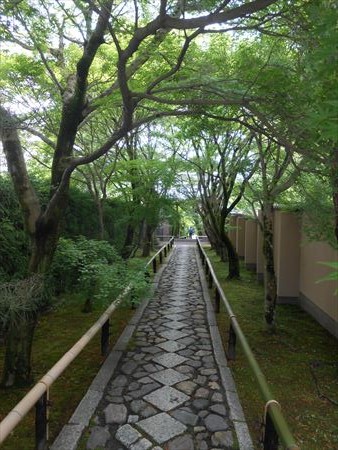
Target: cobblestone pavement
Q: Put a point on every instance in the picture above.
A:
(166, 392)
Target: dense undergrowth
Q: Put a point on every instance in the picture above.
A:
(300, 362)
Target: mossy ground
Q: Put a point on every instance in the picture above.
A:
(56, 333)
(298, 360)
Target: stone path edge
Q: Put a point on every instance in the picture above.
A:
(71, 433)
(235, 408)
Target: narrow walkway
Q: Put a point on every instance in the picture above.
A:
(168, 392)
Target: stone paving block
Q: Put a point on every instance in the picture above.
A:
(102, 378)
(129, 367)
(162, 427)
(138, 314)
(143, 444)
(98, 437)
(166, 398)
(243, 436)
(68, 438)
(236, 411)
(150, 368)
(202, 393)
(123, 340)
(173, 310)
(227, 379)
(86, 408)
(146, 388)
(187, 340)
(127, 435)
(145, 380)
(218, 346)
(214, 422)
(137, 405)
(133, 418)
(171, 346)
(148, 411)
(184, 369)
(173, 335)
(115, 413)
(173, 317)
(169, 360)
(184, 442)
(119, 381)
(218, 409)
(186, 417)
(188, 387)
(222, 439)
(169, 377)
(175, 325)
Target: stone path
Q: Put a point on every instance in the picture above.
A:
(167, 392)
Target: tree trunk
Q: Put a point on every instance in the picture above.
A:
(148, 240)
(270, 283)
(224, 248)
(102, 229)
(128, 242)
(17, 364)
(234, 270)
(211, 236)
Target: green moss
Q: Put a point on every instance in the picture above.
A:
(56, 333)
(299, 357)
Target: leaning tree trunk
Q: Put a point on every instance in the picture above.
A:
(234, 270)
(224, 248)
(270, 283)
(211, 236)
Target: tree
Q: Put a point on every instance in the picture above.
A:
(66, 45)
(277, 174)
(144, 176)
(221, 165)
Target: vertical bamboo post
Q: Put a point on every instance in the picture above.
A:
(41, 423)
(217, 300)
(270, 440)
(105, 338)
(231, 343)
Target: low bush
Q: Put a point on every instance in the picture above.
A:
(95, 268)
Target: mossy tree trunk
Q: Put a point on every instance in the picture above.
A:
(17, 365)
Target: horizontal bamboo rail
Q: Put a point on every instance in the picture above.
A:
(275, 423)
(162, 252)
(15, 416)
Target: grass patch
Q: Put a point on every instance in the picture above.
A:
(56, 332)
(299, 361)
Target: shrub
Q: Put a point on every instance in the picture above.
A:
(95, 268)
